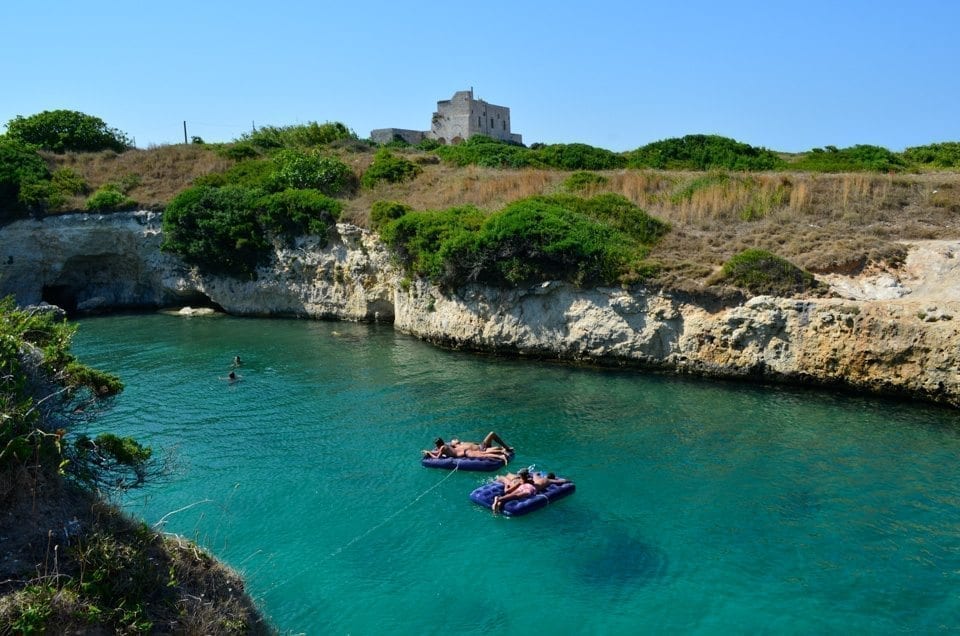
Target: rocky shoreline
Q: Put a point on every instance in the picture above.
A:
(884, 332)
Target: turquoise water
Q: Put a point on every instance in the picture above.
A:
(701, 507)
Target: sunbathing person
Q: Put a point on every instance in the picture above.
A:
(487, 443)
(442, 449)
(542, 482)
(521, 490)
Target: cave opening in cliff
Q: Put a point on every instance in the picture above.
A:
(63, 296)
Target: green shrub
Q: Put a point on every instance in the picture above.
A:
(417, 237)
(254, 173)
(69, 182)
(426, 144)
(860, 158)
(761, 272)
(39, 197)
(217, 229)
(309, 169)
(109, 198)
(19, 165)
(67, 130)
(237, 151)
(480, 150)
(583, 241)
(20, 436)
(382, 212)
(298, 136)
(580, 181)
(388, 167)
(292, 213)
(576, 157)
(942, 155)
(703, 152)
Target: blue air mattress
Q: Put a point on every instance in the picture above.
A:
(464, 463)
(483, 496)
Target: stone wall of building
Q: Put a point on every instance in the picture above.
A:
(386, 135)
(462, 116)
(455, 120)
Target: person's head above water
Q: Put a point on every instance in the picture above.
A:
(438, 442)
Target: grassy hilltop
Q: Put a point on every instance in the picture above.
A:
(685, 213)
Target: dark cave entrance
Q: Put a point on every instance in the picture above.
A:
(63, 296)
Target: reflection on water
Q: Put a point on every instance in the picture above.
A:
(700, 506)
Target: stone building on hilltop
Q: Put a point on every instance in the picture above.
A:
(456, 119)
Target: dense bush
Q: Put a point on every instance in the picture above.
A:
(481, 150)
(310, 169)
(580, 181)
(253, 173)
(598, 240)
(20, 165)
(217, 229)
(229, 230)
(942, 155)
(293, 213)
(703, 152)
(67, 130)
(860, 158)
(577, 157)
(388, 167)
(298, 136)
(761, 272)
(109, 198)
(382, 212)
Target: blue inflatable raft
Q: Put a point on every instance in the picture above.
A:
(483, 496)
(464, 463)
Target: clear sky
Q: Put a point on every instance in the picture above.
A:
(614, 74)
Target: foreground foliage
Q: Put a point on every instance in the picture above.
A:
(101, 572)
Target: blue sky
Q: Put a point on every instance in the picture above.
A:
(786, 76)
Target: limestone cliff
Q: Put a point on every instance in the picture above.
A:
(889, 332)
(88, 262)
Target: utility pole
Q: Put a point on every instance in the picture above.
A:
(184, 131)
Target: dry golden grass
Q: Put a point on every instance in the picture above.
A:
(823, 222)
(159, 173)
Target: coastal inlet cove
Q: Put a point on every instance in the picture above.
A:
(700, 506)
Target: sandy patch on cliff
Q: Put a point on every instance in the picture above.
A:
(931, 272)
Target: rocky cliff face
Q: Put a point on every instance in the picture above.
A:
(97, 262)
(893, 332)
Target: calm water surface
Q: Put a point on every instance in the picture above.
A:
(700, 507)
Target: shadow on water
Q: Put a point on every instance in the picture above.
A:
(620, 561)
(604, 555)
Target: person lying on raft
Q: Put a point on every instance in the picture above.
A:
(539, 480)
(487, 443)
(442, 449)
(521, 490)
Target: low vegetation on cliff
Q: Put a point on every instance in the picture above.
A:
(828, 209)
(70, 561)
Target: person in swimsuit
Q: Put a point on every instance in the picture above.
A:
(442, 449)
(521, 490)
(542, 482)
(487, 443)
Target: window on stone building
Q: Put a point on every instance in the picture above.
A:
(479, 122)
(491, 122)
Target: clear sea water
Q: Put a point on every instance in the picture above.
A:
(701, 507)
